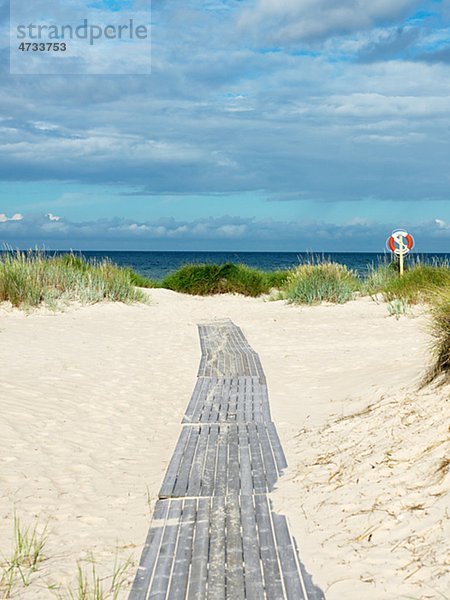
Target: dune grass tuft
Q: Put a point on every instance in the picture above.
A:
(313, 283)
(26, 554)
(419, 283)
(90, 586)
(441, 334)
(208, 279)
(32, 278)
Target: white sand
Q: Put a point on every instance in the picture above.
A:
(92, 401)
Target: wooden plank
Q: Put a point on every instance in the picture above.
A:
(245, 464)
(150, 553)
(259, 479)
(182, 481)
(220, 479)
(278, 453)
(195, 400)
(216, 571)
(233, 479)
(269, 558)
(197, 465)
(270, 468)
(240, 399)
(199, 564)
(210, 462)
(234, 554)
(254, 587)
(249, 406)
(223, 407)
(182, 561)
(172, 471)
(286, 552)
(161, 578)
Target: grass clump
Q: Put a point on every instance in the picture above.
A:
(398, 307)
(419, 283)
(139, 280)
(32, 278)
(90, 586)
(441, 334)
(26, 554)
(313, 283)
(208, 279)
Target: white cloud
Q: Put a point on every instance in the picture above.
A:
(234, 233)
(442, 224)
(16, 217)
(52, 217)
(287, 21)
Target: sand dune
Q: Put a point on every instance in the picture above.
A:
(92, 400)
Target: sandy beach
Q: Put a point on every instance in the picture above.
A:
(92, 402)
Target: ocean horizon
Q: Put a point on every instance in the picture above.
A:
(158, 264)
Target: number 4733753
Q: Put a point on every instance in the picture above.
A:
(43, 47)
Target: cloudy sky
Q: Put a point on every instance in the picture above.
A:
(264, 125)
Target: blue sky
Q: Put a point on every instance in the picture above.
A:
(265, 125)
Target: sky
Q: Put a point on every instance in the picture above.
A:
(272, 125)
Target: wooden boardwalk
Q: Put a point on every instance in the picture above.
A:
(214, 534)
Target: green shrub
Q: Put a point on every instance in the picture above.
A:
(276, 279)
(208, 279)
(29, 279)
(321, 282)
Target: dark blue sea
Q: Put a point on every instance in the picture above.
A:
(157, 265)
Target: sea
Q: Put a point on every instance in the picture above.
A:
(156, 265)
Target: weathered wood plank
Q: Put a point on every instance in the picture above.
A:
(209, 472)
(234, 553)
(174, 465)
(182, 480)
(289, 567)
(220, 483)
(196, 399)
(196, 473)
(233, 479)
(150, 553)
(200, 553)
(277, 448)
(259, 479)
(161, 577)
(182, 561)
(270, 469)
(245, 465)
(269, 557)
(254, 587)
(217, 556)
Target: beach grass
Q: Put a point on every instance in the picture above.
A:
(26, 554)
(441, 335)
(90, 586)
(419, 283)
(28, 279)
(313, 283)
(209, 279)
(139, 280)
